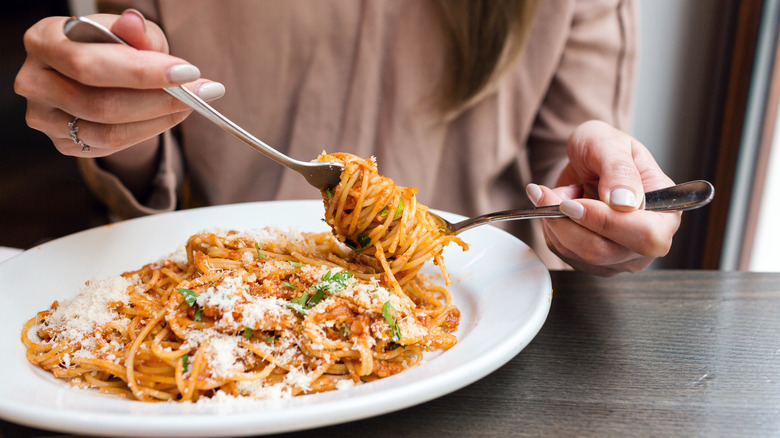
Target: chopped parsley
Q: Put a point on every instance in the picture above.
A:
(185, 362)
(301, 300)
(400, 208)
(296, 264)
(316, 298)
(362, 243)
(247, 332)
(257, 250)
(391, 317)
(364, 240)
(290, 285)
(189, 295)
(332, 282)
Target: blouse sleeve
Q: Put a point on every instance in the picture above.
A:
(594, 80)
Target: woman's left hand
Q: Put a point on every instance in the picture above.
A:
(602, 191)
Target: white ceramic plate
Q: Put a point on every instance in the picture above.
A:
(502, 288)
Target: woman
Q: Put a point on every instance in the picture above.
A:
(467, 101)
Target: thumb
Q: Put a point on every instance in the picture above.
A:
(131, 27)
(620, 184)
(609, 156)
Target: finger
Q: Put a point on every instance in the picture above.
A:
(571, 241)
(643, 232)
(105, 105)
(103, 140)
(542, 196)
(605, 158)
(131, 28)
(114, 105)
(588, 252)
(582, 248)
(113, 65)
(105, 65)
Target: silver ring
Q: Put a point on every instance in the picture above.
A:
(74, 135)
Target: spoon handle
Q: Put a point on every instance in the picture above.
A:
(685, 196)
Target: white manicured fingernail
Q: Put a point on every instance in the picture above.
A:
(534, 193)
(211, 90)
(573, 209)
(622, 197)
(183, 73)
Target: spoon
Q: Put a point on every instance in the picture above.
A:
(322, 175)
(685, 196)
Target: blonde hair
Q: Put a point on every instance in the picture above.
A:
(486, 37)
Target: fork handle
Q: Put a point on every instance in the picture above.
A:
(200, 106)
(508, 215)
(681, 197)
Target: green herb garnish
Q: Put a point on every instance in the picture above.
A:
(391, 317)
(184, 362)
(198, 317)
(290, 285)
(400, 208)
(363, 240)
(296, 264)
(316, 298)
(301, 300)
(257, 250)
(333, 281)
(247, 332)
(189, 295)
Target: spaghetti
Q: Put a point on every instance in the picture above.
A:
(264, 314)
(383, 221)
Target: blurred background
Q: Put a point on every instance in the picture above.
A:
(706, 108)
(42, 196)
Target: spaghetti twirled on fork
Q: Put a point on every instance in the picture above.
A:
(372, 214)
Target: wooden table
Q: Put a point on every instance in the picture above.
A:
(661, 353)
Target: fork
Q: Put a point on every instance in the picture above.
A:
(322, 175)
(684, 196)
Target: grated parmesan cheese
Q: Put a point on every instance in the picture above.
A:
(89, 310)
(238, 312)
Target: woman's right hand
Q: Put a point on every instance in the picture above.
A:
(114, 90)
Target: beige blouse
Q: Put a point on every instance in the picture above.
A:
(357, 76)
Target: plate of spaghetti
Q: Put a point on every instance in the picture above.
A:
(262, 317)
